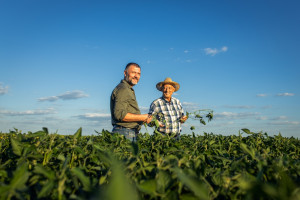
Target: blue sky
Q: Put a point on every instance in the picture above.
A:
(60, 60)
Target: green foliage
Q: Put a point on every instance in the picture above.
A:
(159, 119)
(201, 115)
(41, 165)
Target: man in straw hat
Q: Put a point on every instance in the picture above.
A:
(170, 107)
(126, 117)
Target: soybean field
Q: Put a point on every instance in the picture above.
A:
(246, 165)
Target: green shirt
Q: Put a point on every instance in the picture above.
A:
(123, 101)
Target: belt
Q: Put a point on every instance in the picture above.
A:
(118, 126)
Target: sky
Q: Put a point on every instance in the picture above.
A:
(61, 59)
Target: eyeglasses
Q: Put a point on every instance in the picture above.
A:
(168, 88)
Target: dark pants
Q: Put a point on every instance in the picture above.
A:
(129, 133)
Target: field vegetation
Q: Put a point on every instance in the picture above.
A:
(248, 165)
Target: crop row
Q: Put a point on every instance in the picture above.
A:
(41, 165)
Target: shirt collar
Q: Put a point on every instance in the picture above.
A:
(163, 98)
(126, 83)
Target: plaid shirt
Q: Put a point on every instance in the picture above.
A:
(172, 112)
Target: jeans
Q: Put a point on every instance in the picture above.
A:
(129, 133)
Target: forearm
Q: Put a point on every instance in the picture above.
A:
(129, 117)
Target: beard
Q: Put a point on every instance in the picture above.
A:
(131, 81)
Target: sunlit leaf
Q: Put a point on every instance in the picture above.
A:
(247, 131)
(148, 186)
(77, 135)
(16, 146)
(37, 134)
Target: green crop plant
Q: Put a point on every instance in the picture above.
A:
(43, 165)
(201, 115)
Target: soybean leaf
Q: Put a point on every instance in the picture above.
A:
(47, 173)
(77, 135)
(20, 177)
(148, 186)
(83, 178)
(247, 131)
(16, 146)
(46, 190)
(79, 150)
(45, 129)
(120, 187)
(163, 181)
(247, 150)
(198, 188)
(37, 134)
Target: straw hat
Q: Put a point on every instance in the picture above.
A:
(160, 85)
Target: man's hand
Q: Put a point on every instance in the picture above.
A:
(183, 119)
(148, 119)
(161, 124)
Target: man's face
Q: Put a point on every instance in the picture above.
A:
(132, 75)
(168, 91)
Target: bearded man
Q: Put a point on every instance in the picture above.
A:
(126, 117)
(170, 107)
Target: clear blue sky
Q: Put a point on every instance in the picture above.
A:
(60, 60)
